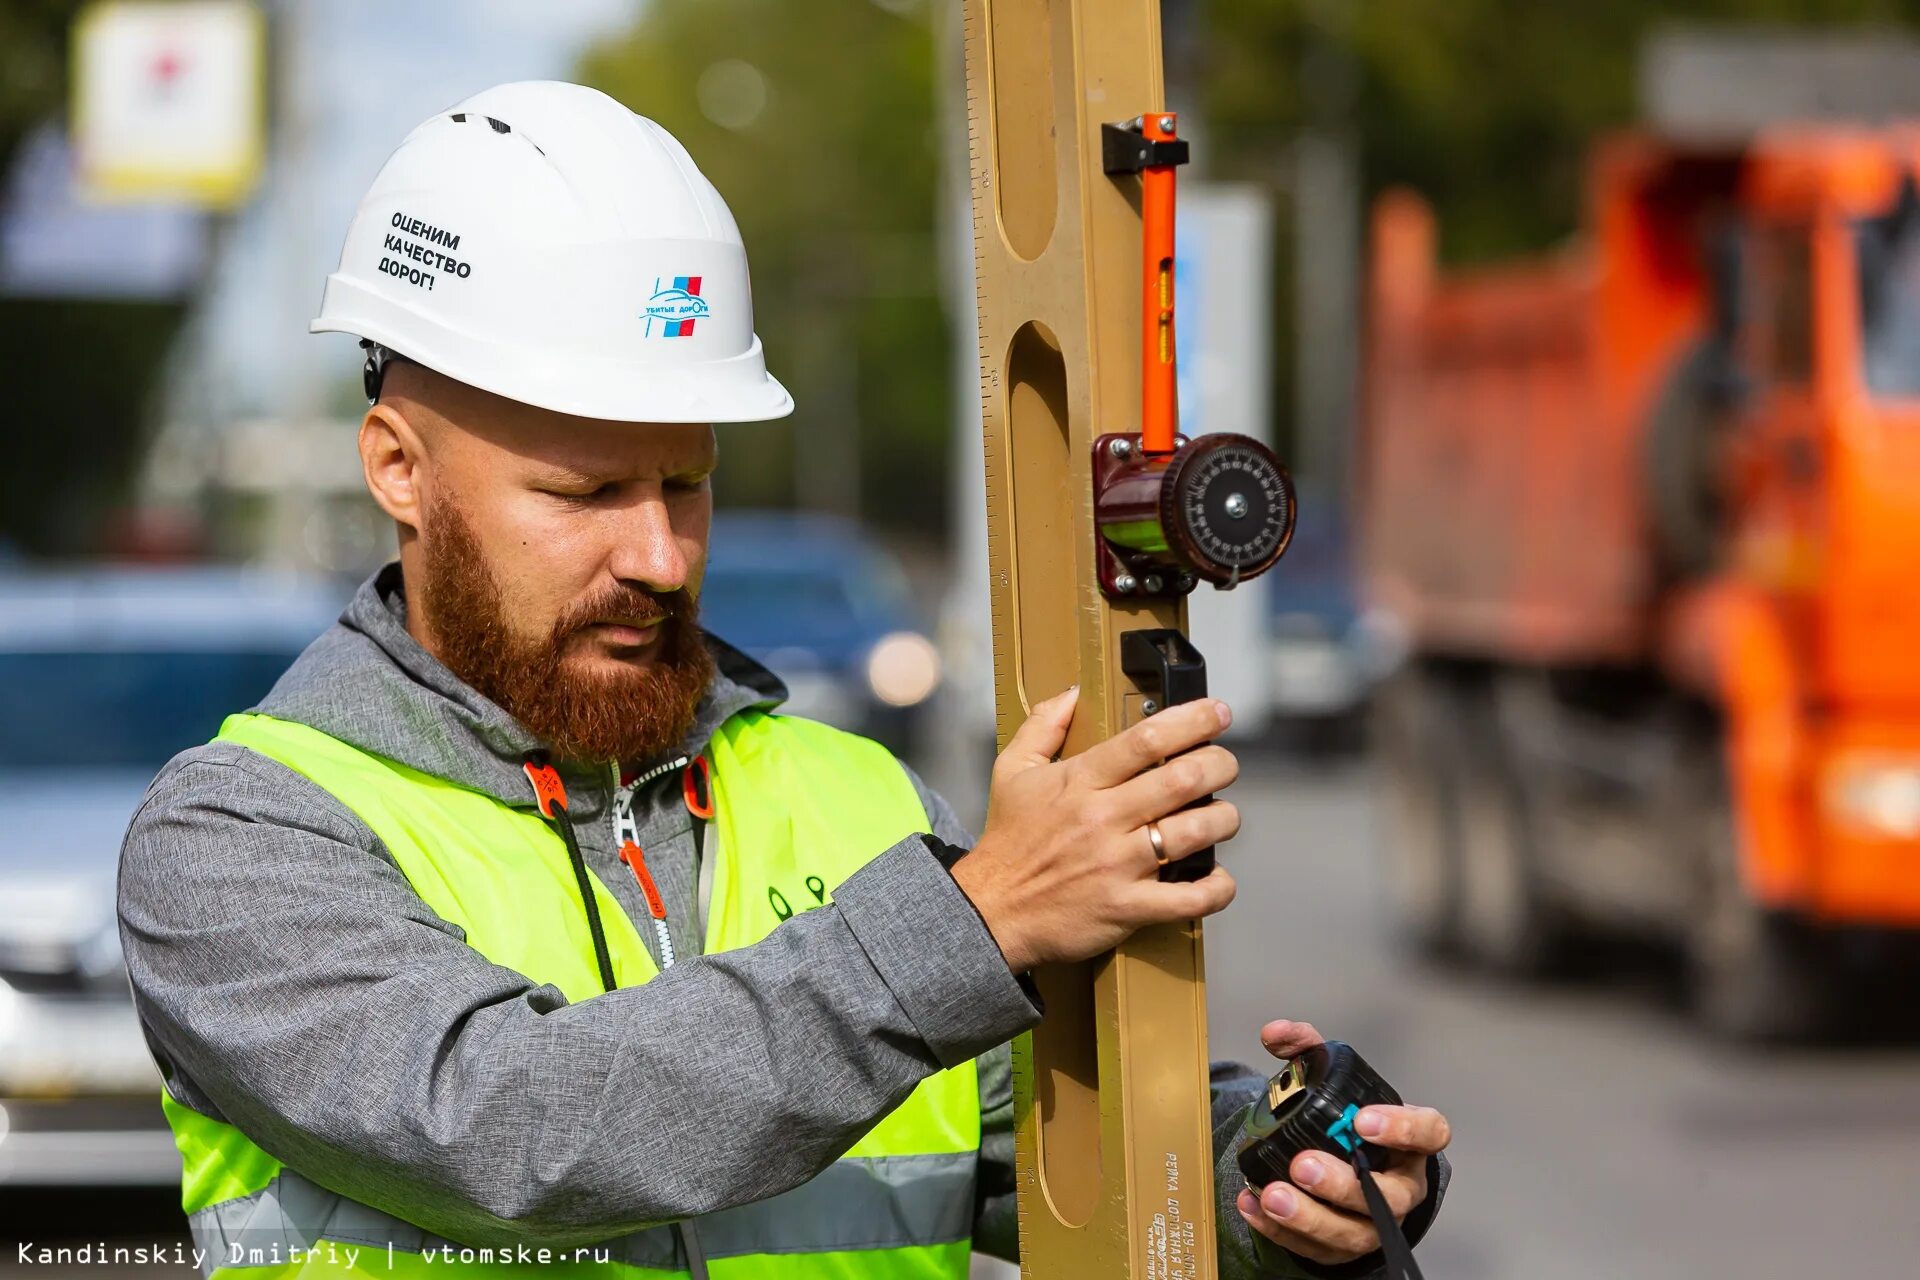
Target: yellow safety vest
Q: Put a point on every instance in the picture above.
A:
(798, 807)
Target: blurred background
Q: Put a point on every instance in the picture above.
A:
(1581, 724)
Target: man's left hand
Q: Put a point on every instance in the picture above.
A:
(1328, 1224)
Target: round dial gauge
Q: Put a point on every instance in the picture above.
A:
(1227, 507)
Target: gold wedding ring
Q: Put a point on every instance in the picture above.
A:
(1159, 845)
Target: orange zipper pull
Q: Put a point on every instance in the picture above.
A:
(656, 905)
(631, 855)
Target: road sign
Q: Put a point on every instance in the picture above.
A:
(168, 100)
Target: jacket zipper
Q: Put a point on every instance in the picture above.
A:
(626, 834)
(626, 837)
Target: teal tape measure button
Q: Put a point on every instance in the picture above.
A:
(1341, 1130)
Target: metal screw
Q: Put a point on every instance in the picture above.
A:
(1148, 706)
(1124, 584)
(1166, 124)
(1236, 505)
(1186, 582)
(1153, 584)
(1120, 447)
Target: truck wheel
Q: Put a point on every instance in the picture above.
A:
(1422, 872)
(1752, 974)
(1506, 922)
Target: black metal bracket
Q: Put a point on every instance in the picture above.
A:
(1166, 666)
(1163, 661)
(1124, 149)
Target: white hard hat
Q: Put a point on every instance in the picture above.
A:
(542, 242)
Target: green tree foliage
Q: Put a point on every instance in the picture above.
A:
(816, 122)
(33, 66)
(1484, 106)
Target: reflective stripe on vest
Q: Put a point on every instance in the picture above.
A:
(799, 807)
(855, 1205)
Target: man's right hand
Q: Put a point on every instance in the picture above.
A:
(1065, 868)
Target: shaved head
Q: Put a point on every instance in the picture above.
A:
(432, 401)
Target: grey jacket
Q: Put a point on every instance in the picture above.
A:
(290, 982)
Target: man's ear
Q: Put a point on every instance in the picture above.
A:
(391, 457)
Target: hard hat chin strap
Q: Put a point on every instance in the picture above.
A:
(374, 371)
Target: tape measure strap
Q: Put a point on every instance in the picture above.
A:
(1393, 1241)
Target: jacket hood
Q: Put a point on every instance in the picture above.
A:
(369, 683)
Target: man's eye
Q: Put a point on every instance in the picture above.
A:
(687, 484)
(584, 495)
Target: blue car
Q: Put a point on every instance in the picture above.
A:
(104, 676)
(830, 612)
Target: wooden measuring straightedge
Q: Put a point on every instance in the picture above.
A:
(1114, 1143)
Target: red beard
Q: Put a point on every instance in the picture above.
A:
(616, 712)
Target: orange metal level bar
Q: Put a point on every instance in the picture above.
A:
(1159, 400)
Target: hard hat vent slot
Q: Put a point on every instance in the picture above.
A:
(498, 126)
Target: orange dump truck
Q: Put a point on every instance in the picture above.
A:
(1649, 512)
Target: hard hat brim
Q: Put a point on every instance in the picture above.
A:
(734, 389)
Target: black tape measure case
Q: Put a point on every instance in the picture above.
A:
(1310, 1105)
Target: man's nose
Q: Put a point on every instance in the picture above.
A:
(644, 549)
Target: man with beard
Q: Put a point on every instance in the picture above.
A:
(515, 926)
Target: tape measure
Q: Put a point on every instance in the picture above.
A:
(1310, 1106)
